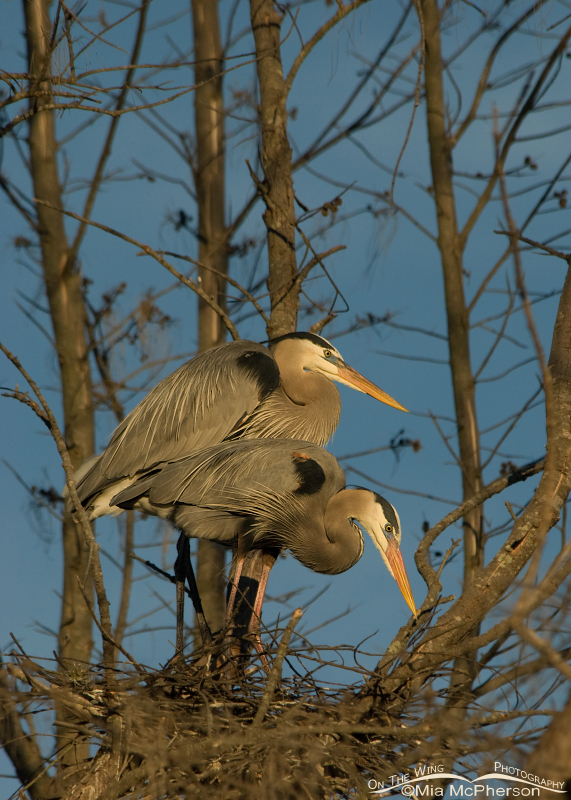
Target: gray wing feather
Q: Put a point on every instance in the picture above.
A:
(196, 406)
(245, 477)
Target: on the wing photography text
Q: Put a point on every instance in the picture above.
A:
(426, 781)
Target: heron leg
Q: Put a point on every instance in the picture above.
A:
(183, 571)
(180, 576)
(235, 610)
(240, 556)
(268, 561)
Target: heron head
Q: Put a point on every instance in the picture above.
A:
(314, 354)
(381, 521)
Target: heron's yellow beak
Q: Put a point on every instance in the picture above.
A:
(394, 557)
(350, 377)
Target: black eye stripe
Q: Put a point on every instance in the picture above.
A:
(388, 510)
(310, 337)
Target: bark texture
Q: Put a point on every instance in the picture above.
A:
(552, 757)
(458, 322)
(277, 187)
(209, 180)
(452, 269)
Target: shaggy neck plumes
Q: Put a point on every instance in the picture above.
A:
(305, 406)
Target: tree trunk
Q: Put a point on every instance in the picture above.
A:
(212, 250)
(456, 310)
(458, 328)
(277, 189)
(551, 759)
(63, 283)
(21, 748)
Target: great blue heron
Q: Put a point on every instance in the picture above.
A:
(237, 390)
(273, 493)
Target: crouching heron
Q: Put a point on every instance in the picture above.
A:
(271, 494)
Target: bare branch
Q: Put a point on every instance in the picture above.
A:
(276, 672)
(147, 250)
(416, 97)
(342, 12)
(22, 749)
(84, 522)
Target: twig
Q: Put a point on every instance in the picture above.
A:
(341, 13)
(35, 494)
(543, 647)
(147, 250)
(516, 673)
(67, 15)
(104, 634)
(399, 490)
(511, 511)
(550, 463)
(318, 326)
(447, 444)
(95, 182)
(506, 433)
(416, 99)
(447, 554)
(97, 572)
(25, 398)
(59, 107)
(511, 137)
(499, 335)
(276, 673)
(152, 566)
(528, 219)
(227, 278)
(21, 748)
(485, 74)
(497, 486)
(552, 252)
(317, 259)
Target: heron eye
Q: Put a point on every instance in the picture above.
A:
(388, 528)
(327, 353)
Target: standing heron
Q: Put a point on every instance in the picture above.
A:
(273, 493)
(239, 390)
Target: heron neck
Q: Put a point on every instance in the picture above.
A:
(303, 386)
(305, 406)
(336, 544)
(313, 398)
